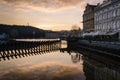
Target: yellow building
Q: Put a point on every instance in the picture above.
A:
(88, 18)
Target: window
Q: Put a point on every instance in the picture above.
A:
(109, 14)
(116, 12)
(113, 25)
(117, 23)
(113, 13)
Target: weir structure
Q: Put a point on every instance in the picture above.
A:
(15, 49)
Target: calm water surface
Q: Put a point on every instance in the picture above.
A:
(57, 65)
(54, 65)
(49, 66)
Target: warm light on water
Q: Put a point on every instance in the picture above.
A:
(59, 64)
(49, 66)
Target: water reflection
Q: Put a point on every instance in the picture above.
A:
(96, 67)
(101, 68)
(44, 71)
(23, 54)
(61, 64)
(96, 70)
(50, 66)
(75, 55)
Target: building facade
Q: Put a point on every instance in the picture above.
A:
(88, 18)
(107, 16)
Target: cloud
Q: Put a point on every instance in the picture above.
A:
(43, 4)
(44, 71)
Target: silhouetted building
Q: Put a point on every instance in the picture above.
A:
(88, 18)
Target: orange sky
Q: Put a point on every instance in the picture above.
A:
(44, 14)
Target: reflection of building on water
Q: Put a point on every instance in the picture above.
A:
(95, 70)
(95, 66)
(75, 57)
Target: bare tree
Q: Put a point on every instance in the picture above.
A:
(75, 30)
(75, 27)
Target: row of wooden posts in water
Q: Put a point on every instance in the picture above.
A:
(16, 49)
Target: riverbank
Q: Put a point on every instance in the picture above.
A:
(102, 47)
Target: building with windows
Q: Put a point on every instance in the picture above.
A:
(88, 18)
(107, 16)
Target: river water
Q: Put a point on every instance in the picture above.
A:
(55, 65)
(59, 65)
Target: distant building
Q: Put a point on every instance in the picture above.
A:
(88, 18)
(51, 35)
(3, 36)
(107, 16)
(64, 34)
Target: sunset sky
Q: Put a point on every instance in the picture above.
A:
(44, 14)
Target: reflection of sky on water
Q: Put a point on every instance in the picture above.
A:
(49, 66)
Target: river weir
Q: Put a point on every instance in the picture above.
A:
(21, 47)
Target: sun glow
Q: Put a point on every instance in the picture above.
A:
(44, 25)
(44, 14)
(54, 27)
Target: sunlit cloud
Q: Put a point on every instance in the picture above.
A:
(81, 6)
(45, 14)
(43, 4)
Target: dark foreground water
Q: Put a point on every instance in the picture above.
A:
(57, 65)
